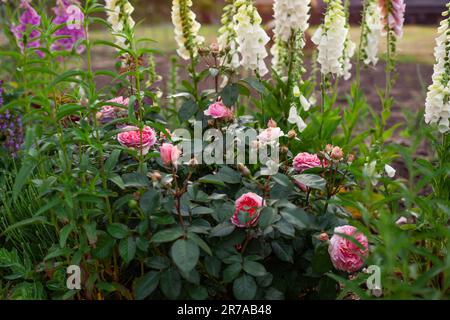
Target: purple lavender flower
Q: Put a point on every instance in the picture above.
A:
(11, 129)
(68, 13)
(28, 19)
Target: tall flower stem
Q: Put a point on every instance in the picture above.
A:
(91, 83)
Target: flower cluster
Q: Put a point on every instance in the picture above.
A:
(108, 113)
(372, 29)
(345, 254)
(186, 29)
(291, 22)
(119, 17)
(437, 105)
(251, 37)
(68, 13)
(11, 129)
(227, 37)
(393, 15)
(29, 20)
(331, 39)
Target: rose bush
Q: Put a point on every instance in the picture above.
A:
(102, 180)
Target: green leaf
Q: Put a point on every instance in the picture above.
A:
(187, 110)
(228, 175)
(167, 235)
(202, 210)
(274, 294)
(144, 286)
(212, 179)
(69, 109)
(255, 84)
(281, 252)
(267, 217)
(127, 249)
(135, 179)
(24, 223)
(213, 265)
(170, 283)
(112, 160)
(254, 268)
(104, 247)
(244, 288)
(285, 228)
(64, 234)
(22, 177)
(282, 180)
(223, 229)
(230, 94)
(157, 262)
(231, 272)
(297, 217)
(185, 254)
(312, 181)
(198, 293)
(200, 242)
(149, 201)
(118, 230)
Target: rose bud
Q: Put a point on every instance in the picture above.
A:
(292, 134)
(272, 124)
(337, 154)
(214, 47)
(329, 148)
(155, 176)
(323, 237)
(350, 158)
(243, 170)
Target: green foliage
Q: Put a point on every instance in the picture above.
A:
(142, 230)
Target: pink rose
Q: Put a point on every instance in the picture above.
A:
(305, 160)
(247, 205)
(169, 154)
(131, 137)
(109, 113)
(218, 110)
(345, 254)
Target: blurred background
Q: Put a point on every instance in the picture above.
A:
(157, 11)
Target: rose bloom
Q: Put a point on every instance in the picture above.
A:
(270, 135)
(218, 110)
(109, 113)
(131, 138)
(247, 205)
(169, 154)
(346, 255)
(305, 160)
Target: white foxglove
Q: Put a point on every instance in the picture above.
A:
(251, 37)
(294, 118)
(291, 20)
(119, 17)
(389, 171)
(186, 29)
(373, 28)
(227, 37)
(437, 105)
(331, 39)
